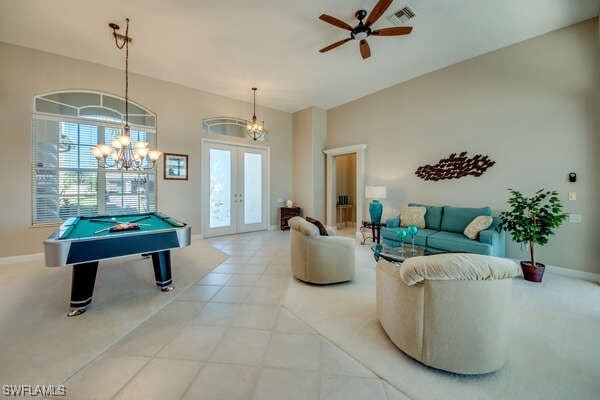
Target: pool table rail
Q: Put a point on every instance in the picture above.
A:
(62, 252)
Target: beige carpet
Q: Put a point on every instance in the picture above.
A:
(40, 345)
(555, 351)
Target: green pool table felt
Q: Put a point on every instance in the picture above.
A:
(84, 227)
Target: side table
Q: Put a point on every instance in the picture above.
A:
(375, 229)
(285, 213)
(344, 213)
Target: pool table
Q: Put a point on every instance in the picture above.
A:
(84, 241)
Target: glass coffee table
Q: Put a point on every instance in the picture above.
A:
(398, 254)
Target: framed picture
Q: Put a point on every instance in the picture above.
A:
(175, 166)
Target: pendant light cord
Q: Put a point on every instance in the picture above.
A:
(120, 47)
(254, 114)
(127, 77)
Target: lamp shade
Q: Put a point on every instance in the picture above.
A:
(375, 192)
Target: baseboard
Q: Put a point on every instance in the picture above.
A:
(573, 273)
(21, 258)
(197, 236)
(273, 227)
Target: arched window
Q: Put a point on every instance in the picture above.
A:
(66, 178)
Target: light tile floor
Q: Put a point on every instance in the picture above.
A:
(227, 338)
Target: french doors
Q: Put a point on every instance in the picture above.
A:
(235, 188)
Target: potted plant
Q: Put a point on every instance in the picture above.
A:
(532, 220)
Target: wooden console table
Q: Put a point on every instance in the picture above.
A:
(285, 213)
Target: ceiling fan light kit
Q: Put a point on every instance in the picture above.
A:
(363, 30)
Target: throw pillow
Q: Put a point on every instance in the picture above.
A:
(322, 229)
(477, 225)
(413, 216)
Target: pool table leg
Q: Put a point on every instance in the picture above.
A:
(82, 287)
(161, 260)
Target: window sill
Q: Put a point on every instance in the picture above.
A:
(46, 224)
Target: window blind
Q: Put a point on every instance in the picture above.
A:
(66, 180)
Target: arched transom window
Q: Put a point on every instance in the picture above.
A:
(67, 180)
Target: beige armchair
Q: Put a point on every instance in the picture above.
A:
(448, 311)
(320, 259)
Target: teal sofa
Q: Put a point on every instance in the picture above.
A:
(444, 227)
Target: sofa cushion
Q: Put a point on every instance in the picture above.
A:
(456, 219)
(477, 225)
(433, 216)
(413, 216)
(319, 224)
(450, 241)
(301, 225)
(420, 237)
(461, 267)
(392, 222)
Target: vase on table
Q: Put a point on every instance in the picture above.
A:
(412, 231)
(402, 234)
(375, 210)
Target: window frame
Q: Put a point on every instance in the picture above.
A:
(105, 123)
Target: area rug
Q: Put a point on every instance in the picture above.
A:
(554, 352)
(40, 345)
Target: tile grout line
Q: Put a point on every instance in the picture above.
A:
(261, 365)
(320, 366)
(119, 339)
(188, 322)
(131, 379)
(154, 356)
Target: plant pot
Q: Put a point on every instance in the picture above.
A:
(532, 273)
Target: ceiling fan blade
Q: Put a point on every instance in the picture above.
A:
(401, 30)
(334, 45)
(378, 11)
(334, 21)
(365, 50)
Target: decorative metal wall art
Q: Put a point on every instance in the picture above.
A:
(455, 167)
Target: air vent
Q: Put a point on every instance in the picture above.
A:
(401, 16)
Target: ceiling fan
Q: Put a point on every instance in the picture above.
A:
(363, 30)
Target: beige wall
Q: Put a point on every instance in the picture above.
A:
(532, 107)
(302, 170)
(319, 142)
(25, 72)
(309, 138)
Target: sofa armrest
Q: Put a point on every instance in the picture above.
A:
(392, 222)
(332, 255)
(494, 238)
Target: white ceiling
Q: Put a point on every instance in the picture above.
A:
(227, 46)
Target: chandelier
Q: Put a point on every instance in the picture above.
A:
(255, 129)
(124, 154)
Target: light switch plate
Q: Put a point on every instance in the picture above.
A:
(572, 196)
(575, 218)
